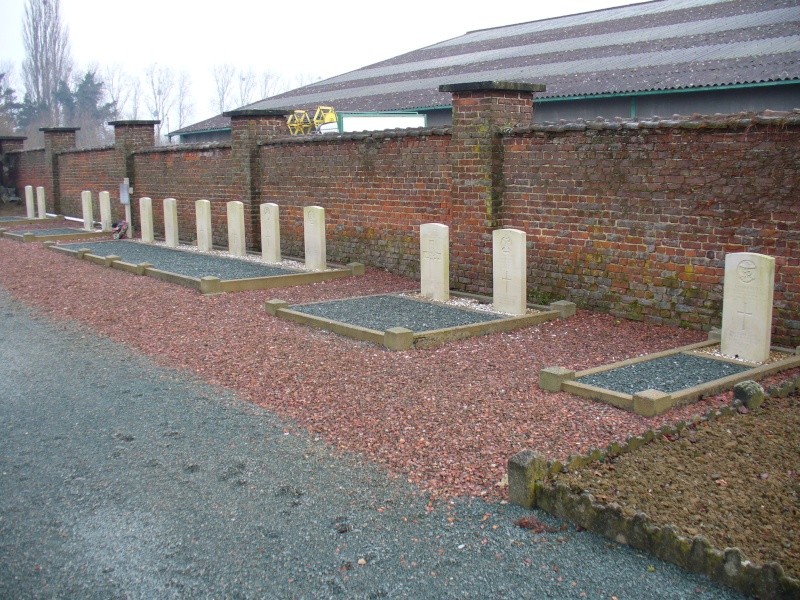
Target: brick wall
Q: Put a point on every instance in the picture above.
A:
(188, 174)
(376, 190)
(28, 167)
(638, 221)
(632, 218)
(97, 170)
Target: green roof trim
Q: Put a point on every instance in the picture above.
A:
(686, 90)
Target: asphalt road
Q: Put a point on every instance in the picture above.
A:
(121, 479)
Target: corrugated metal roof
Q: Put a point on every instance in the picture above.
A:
(662, 45)
(213, 124)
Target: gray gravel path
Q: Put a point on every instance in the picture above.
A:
(120, 479)
(667, 374)
(190, 264)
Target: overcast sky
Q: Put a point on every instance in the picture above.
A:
(310, 39)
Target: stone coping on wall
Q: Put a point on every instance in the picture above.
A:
(726, 121)
(93, 149)
(23, 150)
(33, 236)
(360, 135)
(401, 338)
(215, 285)
(530, 486)
(185, 147)
(133, 122)
(652, 402)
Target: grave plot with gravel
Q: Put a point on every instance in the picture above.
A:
(35, 232)
(404, 321)
(386, 311)
(56, 231)
(668, 374)
(187, 264)
(653, 384)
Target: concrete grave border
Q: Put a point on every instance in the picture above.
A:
(400, 338)
(649, 403)
(30, 236)
(30, 221)
(214, 285)
(530, 486)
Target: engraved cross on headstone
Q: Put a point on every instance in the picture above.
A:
(505, 246)
(744, 314)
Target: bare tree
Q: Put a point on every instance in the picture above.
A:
(246, 88)
(269, 84)
(47, 55)
(117, 87)
(135, 97)
(184, 100)
(223, 76)
(304, 79)
(161, 94)
(8, 104)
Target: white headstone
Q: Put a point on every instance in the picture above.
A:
(314, 235)
(270, 233)
(434, 261)
(747, 306)
(41, 204)
(171, 222)
(146, 217)
(29, 202)
(88, 210)
(205, 240)
(105, 211)
(509, 268)
(236, 239)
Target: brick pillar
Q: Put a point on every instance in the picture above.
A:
(249, 127)
(481, 111)
(8, 166)
(130, 136)
(56, 139)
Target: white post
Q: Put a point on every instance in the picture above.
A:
(509, 269)
(146, 217)
(40, 201)
(171, 222)
(270, 233)
(202, 210)
(29, 202)
(129, 221)
(314, 237)
(434, 259)
(236, 239)
(88, 211)
(105, 211)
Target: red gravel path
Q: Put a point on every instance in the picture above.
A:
(446, 418)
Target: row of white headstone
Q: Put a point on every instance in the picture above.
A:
(509, 272)
(747, 293)
(88, 211)
(313, 229)
(746, 304)
(40, 202)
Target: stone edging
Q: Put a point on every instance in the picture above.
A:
(529, 472)
(400, 338)
(214, 285)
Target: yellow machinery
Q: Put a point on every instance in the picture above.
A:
(300, 123)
